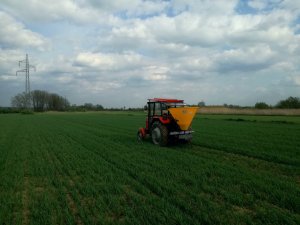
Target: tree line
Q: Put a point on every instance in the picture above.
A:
(40, 101)
(289, 103)
(86, 107)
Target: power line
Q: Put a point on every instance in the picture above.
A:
(26, 69)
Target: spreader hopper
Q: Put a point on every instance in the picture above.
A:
(183, 116)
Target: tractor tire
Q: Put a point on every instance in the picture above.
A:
(159, 134)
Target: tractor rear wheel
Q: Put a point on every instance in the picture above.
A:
(159, 134)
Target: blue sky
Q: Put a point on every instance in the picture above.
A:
(120, 53)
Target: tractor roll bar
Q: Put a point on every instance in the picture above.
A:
(165, 100)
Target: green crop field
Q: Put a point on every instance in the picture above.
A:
(88, 168)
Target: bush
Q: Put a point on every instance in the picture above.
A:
(27, 111)
(289, 103)
(4, 110)
(261, 105)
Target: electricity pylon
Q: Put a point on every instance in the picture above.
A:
(27, 81)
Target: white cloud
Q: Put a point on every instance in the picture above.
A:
(50, 10)
(108, 62)
(9, 60)
(129, 8)
(296, 79)
(102, 50)
(250, 59)
(155, 73)
(205, 7)
(188, 28)
(13, 34)
(291, 5)
(258, 4)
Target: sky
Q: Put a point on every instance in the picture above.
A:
(121, 52)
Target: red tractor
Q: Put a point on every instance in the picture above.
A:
(168, 119)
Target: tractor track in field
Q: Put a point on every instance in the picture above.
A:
(67, 182)
(210, 148)
(248, 163)
(60, 174)
(25, 201)
(93, 136)
(26, 185)
(91, 129)
(146, 185)
(245, 155)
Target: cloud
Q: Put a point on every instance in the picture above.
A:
(130, 8)
(13, 34)
(155, 73)
(291, 5)
(251, 59)
(111, 52)
(188, 29)
(292, 80)
(50, 10)
(257, 4)
(9, 60)
(109, 61)
(296, 80)
(205, 7)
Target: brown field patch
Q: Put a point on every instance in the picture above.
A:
(237, 111)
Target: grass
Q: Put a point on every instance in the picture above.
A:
(87, 168)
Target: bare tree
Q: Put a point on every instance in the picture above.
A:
(39, 100)
(56, 102)
(20, 101)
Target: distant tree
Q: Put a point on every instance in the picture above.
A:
(201, 104)
(20, 101)
(289, 103)
(39, 100)
(261, 105)
(54, 102)
(88, 106)
(99, 107)
(234, 106)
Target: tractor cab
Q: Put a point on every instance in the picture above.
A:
(167, 119)
(158, 110)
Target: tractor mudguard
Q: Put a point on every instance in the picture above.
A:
(141, 134)
(164, 120)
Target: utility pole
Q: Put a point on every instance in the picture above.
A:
(26, 68)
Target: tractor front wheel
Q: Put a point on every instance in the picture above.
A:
(141, 134)
(159, 134)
